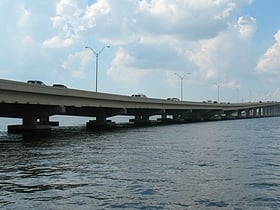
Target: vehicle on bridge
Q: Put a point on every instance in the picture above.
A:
(139, 95)
(173, 99)
(59, 85)
(35, 82)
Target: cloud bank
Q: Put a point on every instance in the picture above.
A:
(208, 38)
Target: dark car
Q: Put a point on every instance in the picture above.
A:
(139, 95)
(59, 85)
(173, 99)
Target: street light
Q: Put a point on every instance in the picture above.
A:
(218, 87)
(182, 80)
(237, 89)
(96, 61)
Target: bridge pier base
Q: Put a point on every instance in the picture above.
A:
(177, 118)
(100, 123)
(164, 119)
(142, 120)
(95, 124)
(28, 128)
(31, 125)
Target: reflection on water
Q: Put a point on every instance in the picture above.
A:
(227, 165)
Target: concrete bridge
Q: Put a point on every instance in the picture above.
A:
(34, 104)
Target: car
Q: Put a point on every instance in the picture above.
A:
(173, 99)
(59, 85)
(139, 95)
(36, 82)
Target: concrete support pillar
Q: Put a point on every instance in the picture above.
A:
(270, 111)
(164, 116)
(239, 113)
(29, 121)
(228, 115)
(44, 120)
(101, 119)
(254, 112)
(100, 122)
(175, 117)
(164, 119)
(260, 111)
(145, 117)
(277, 110)
(264, 111)
(247, 113)
(142, 120)
(31, 124)
(137, 117)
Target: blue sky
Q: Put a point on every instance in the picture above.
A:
(232, 43)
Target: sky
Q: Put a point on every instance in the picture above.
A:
(225, 49)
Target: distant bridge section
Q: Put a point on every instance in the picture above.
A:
(34, 104)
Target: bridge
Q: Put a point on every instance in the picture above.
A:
(34, 104)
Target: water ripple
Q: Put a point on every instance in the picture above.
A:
(227, 165)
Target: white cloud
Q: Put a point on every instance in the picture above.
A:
(270, 61)
(176, 35)
(57, 42)
(24, 15)
(127, 20)
(203, 37)
(247, 26)
(67, 8)
(220, 58)
(27, 40)
(77, 64)
(211, 56)
(158, 34)
(232, 84)
(78, 74)
(70, 18)
(171, 80)
(122, 70)
(192, 19)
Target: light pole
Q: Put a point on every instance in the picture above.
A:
(96, 61)
(182, 80)
(237, 95)
(218, 87)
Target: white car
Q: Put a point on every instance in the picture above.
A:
(35, 82)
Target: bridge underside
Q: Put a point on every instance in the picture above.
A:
(36, 117)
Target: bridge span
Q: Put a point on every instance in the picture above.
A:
(34, 104)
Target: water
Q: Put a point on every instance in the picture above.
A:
(211, 165)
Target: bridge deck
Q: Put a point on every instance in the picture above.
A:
(33, 102)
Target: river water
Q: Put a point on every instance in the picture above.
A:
(210, 165)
